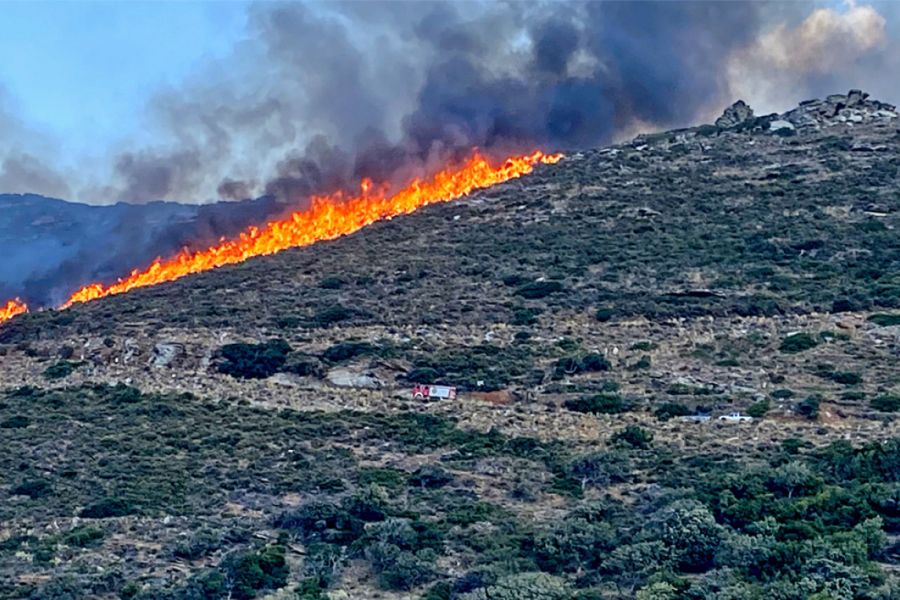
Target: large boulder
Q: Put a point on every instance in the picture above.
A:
(734, 115)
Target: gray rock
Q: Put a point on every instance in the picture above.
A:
(165, 353)
(780, 124)
(855, 97)
(345, 377)
(734, 115)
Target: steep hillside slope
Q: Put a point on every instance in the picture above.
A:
(592, 314)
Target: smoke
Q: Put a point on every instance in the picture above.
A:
(828, 51)
(20, 170)
(318, 95)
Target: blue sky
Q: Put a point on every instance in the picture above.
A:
(82, 71)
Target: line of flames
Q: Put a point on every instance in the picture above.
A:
(327, 217)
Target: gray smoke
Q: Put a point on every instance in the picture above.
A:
(388, 90)
(319, 95)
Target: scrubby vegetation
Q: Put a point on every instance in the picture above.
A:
(795, 522)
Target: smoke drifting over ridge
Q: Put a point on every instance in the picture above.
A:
(319, 95)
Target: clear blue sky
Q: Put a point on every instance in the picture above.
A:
(83, 70)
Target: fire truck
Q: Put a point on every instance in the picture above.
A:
(433, 392)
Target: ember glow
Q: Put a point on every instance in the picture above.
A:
(327, 217)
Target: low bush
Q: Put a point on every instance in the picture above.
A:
(668, 410)
(538, 289)
(322, 522)
(106, 508)
(634, 436)
(758, 410)
(253, 361)
(33, 488)
(82, 536)
(884, 320)
(598, 404)
(798, 342)
(345, 351)
(809, 407)
(61, 369)
(886, 403)
(256, 571)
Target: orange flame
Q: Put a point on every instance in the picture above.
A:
(328, 217)
(11, 309)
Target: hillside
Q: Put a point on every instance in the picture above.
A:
(51, 246)
(252, 428)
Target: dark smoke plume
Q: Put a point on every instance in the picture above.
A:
(387, 89)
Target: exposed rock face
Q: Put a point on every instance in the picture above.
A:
(165, 353)
(734, 115)
(852, 107)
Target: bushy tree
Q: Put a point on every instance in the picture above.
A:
(690, 531)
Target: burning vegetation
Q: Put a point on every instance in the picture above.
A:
(327, 217)
(11, 309)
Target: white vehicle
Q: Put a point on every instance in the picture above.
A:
(736, 417)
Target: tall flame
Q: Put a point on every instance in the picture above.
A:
(327, 217)
(11, 309)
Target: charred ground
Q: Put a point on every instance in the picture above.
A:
(752, 265)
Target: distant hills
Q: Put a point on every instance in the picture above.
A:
(51, 247)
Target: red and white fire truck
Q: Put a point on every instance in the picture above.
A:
(434, 392)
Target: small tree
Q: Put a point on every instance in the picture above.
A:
(634, 436)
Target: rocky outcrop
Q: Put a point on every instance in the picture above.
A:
(854, 107)
(734, 115)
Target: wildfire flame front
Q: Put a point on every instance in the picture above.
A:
(328, 217)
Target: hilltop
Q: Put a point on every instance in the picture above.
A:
(258, 417)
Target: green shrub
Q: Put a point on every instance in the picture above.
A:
(884, 320)
(332, 282)
(253, 572)
(82, 536)
(442, 590)
(200, 543)
(61, 369)
(253, 361)
(331, 315)
(538, 289)
(322, 522)
(15, 422)
(668, 410)
(599, 404)
(798, 342)
(758, 410)
(782, 394)
(524, 316)
(634, 436)
(886, 403)
(348, 350)
(33, 488)
(106, 508)
(571, 365)
(642, 363)
(809, 407)
(303, 365)
(604, 314)
(846, 377)
(430, 476)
